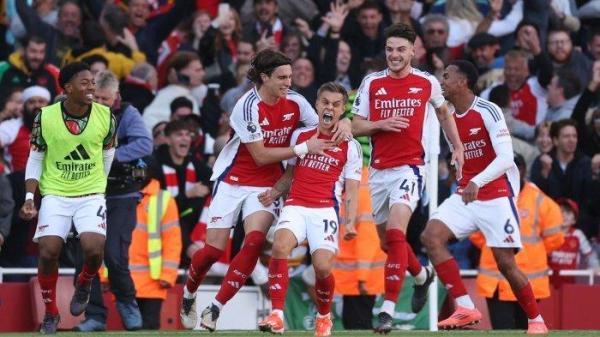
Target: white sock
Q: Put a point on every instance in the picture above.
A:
(465, 302)
(421, 277)
(218, 304)
(278, 313)
(538, 318)
(187, 294)
(389, 307)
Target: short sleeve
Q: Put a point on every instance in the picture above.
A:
(293, 142)
(353, 167)
(494, 121)
(308, 115)
(244, 119)
(361, 101)
(436, 98)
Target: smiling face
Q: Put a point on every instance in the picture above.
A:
(69, 19)
(280, 81)
(139, 10)
(452, 81)
(81, 88)
(330, 107)
(398, 54)
(303, 73)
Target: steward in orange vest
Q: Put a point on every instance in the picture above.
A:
(155, 251)
(540, 226)
(358, 268)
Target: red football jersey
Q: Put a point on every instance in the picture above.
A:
(381, 96)
(480, 128)
(319, 180)
(254, 120)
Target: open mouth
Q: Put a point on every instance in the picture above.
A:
(327, 117)
(89, 96)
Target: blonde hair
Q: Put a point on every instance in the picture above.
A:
(463, 9)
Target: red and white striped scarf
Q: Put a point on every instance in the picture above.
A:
(171, 181)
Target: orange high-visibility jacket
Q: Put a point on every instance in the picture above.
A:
(361, 258)
(169, 233)
(540, 221)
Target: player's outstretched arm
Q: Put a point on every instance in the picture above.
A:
(363, 127)
(449, 126)
(281, 187)
(351, 201)
(268, 155)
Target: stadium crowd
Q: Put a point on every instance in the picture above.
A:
(172, 71)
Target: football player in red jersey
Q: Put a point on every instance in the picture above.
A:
(311, 209)
(485, 200)
(262, 120)
(391, 107)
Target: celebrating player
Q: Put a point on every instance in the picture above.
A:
(263, 120)
(391, 107)
(485, 200)
(72, 151)
(311, 209)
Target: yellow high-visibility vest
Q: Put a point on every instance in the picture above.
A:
(157, 206)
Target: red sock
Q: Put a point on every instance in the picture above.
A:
(395, 264)
(278, 282)
(241, 266)
(414, 266)
(527, 301)
(48, 287)
(202, 260)
(449, 274)
(324, 288)
(86, 276)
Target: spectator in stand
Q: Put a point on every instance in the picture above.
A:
(562, 95)
(436, 28)
(11, 102)
(589, 134)
(28, 67)
(185, 74)
(155, 251)
(499, 21)
(399, 11)
(564, 56)
(187, 179)
(266, 29)
(539, 224)
(94, 43)
(291, 46)
(113, 20)
(139, 87)
(202, 143)
(561, 15)
(364, 33)
(158, 134)
(46, 10)
(528, 40)
(15, 132)
(59, 38)
(218, 48)
(463, 18)
(150, 32)
(593, 46)
(303, 79)
(7, 205)
(543, 141)
(527, 95)
(97, 63)
(483, 50)
(576, 246)
(566, 173)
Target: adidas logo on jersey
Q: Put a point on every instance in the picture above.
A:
(474, 131)
(509, 239)
(381, 92)
(329, 238)
(413, 90)
(78, 154)
(264, 122)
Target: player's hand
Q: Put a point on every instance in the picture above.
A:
(393, 124)
(319, 146)
(362, 288)
(1, 240)
(342, 130)
(546, 162)
(350, 232)
(458, 160)
(198, 190)
(28, 210)
(269, 196)
(164, 284)
(470, 192)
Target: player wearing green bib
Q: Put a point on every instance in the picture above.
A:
(72, 150)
